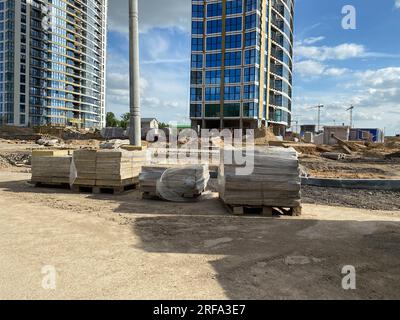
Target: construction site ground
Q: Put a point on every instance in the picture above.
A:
(123, 247)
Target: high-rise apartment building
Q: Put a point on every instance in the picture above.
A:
(241, 63)
(52, 62)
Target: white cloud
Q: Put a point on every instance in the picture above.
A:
(311, 68)
(313, 40)
(397, 4)
(341, 52)
(374, 93)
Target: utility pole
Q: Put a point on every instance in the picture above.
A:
(135, 135)
(351, 115)
(319, 115)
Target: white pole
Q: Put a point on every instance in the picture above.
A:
(134, 75)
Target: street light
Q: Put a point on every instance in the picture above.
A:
(135, 136)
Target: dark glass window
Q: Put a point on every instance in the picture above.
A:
(196, 94)
(233, 41)
(214, 43)
(196, 77)
(213, 94)
(213, 60)
(232, 93)
(197, 27)
(197, 61)
(197, 44)
(195, 110)
(213, 77)
(233, 24)
(232, 110)
(197, 11)
(212, 110)
(234, 7)
(214, 9)
(233, 58)
(232, 75)
(214, 26)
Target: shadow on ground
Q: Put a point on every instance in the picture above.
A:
(272, 258)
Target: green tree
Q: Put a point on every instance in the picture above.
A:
(111, 120)
(125, 118)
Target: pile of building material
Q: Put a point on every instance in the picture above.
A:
(118, 168)
(115, 170)
(51, 167)
(83, 172)
(177, 184)
(274, 183)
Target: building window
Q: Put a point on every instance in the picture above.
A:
(195, 110)
(213, 60)
(233, 24)
(197, 11)
(250, 92)
(252, 5)
(232, 110)
(214, 43)
(252, 56)
(214, 26)
(213, 94)
(197, 27)
(197, 44)
(196, 77)
(250, 39)
(250, 109)
(252, 21)
(196, 94)
(234, 7)
(212, 110)
(214, 9)
(251, 74)
(233, 58)
(197, 61)
(233, 41)
(232, 93)
(232, 75)
(213, 77)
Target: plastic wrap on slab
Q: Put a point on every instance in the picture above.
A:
(183, 184)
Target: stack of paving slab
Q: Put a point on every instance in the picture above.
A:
(84, 164)
(51, 167)
(174, 183)
(118, 168)
(107, 168)
(274, 182)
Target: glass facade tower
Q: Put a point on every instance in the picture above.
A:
(52, 62)
(241, 63)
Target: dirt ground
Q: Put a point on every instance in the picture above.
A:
(122, 247)
(319, 167)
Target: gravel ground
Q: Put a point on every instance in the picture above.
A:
(354, 198)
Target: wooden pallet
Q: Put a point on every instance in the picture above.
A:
(148, 195)
(103, 189)
(51, 184)
(240, 210)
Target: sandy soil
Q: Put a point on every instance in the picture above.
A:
(108, 246)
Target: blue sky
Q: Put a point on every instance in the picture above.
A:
(333, 66)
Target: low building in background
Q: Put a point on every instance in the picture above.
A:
(341, 132)
(367, 135)
(149, 124)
